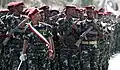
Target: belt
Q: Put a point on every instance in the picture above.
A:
(89, 42)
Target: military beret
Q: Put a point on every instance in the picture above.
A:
(32, 12)
(100, 13)
(82, 9)
(54, 11)
(77, 9)
(26, 11)
(90, 7)
(44, 7)
(101, 10)
(19, 3)
(11, 4)
(41, 11)
(107, 13)
(70, 6)
(96, 11)
(4, 10)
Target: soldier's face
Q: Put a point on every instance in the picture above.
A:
(46, 12)
(90, 13)
(12, 9)
(20, 8)
(36, 17)
(42, 16)
(71, 11)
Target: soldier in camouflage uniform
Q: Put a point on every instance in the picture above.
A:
(3, 12)
(69, 59)
(3, 30)
(13, 44)
(89, 50)
(109, 39)
(117, 36)
(102, 43)
(46, 12)
(37, 50)
(53, 18)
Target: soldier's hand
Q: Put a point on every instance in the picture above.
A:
(23, 57)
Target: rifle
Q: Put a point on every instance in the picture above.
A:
(83, 35)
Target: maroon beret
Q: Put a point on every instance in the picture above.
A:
(96, 11)
(107, 13)
(90, 7)
(82, 9)
(54, 11)
(70, 6)
(101, 9)
(19, 3)
(77, 9)
(11, 4)
(4, 10)
(44, 7)
(100, 13)
(32, 12)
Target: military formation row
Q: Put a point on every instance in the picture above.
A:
(48, 39)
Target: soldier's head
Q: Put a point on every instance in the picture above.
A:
(34, 14)
(80, 12)
(3, 12)
(70, 10)
(100, 16)
(19, 7)
(77, 10)
(53, 12)
(46, 10)
(11, 7)
(90, 12)
(42, 16)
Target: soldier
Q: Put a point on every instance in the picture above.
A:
(46, 13)
(11, 7)
(117, 38)
(3, 12)
(13, 44)
(3, 30)
(37, 49)
(54, 12)
(69, 59)
(89, 50)
(103, 43)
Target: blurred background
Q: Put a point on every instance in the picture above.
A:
(59, 4)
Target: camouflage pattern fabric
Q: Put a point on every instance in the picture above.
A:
(37, 52)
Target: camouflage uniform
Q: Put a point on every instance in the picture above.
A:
(38, 51)
(117, 37)
(104, 46)
(14, 44)
(3, 30)
(69, 59)
(55, 63)
(89, 50)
